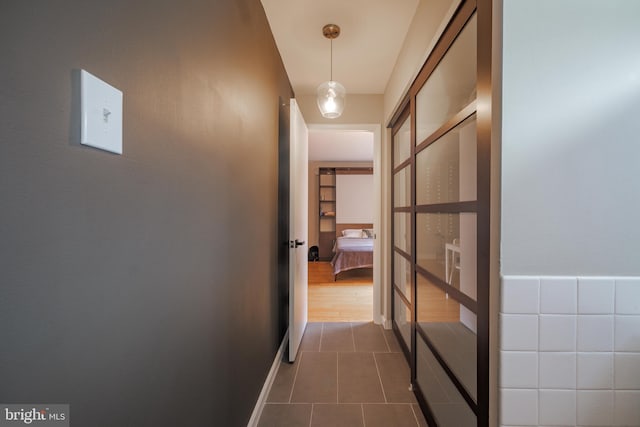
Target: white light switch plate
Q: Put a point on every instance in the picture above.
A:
(101, 110)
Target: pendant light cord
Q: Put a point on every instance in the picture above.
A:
(331, 74)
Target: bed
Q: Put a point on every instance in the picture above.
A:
(353, 248)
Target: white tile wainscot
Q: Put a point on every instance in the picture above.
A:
(570, 351)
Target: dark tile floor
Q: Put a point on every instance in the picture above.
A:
(346, 374)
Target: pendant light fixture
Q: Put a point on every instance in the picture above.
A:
(331, 94)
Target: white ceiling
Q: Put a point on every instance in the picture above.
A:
(340, 146)
(372, 34)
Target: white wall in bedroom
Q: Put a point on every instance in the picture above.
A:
(314, 209)
(354, 199)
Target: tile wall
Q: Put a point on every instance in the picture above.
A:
(570, 351)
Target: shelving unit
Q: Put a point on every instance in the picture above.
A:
(327, 212)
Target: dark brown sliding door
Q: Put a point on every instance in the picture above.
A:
(436, 260)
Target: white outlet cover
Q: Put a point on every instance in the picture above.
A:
(101, 114)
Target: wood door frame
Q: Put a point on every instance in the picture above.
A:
(381, 286)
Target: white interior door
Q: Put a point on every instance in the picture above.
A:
(298, 228)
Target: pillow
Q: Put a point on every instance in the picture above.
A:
(368, 233)
(352, 232)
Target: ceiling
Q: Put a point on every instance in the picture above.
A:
(340, 145)
(372, 34)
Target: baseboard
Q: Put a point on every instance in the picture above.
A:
(386, 323)
(268, 382)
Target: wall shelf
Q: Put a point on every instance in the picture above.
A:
(326, 204)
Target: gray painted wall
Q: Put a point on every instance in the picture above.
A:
(571, 138)
(124, 281)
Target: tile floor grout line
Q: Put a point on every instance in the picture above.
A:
(286, 403)
(375, 360)
(358, 403)
(295, 376)
(374, 403)
(415, 416)
(385, 403)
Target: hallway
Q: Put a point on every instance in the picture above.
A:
(347, 374)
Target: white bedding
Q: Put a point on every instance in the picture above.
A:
(352, 253)
(353, 244)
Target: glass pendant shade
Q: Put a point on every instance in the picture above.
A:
(331, 99)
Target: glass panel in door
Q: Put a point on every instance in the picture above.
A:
(402, 231)
(402, 144)
(445, 401)
(402, 188)
(451, 328)
(450, 87)
(402, 318)
(446, 169)
(446, 247)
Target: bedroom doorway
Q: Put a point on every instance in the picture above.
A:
(354, 295)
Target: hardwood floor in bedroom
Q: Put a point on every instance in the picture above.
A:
(349, 299)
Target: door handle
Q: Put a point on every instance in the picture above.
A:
(295, 243)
